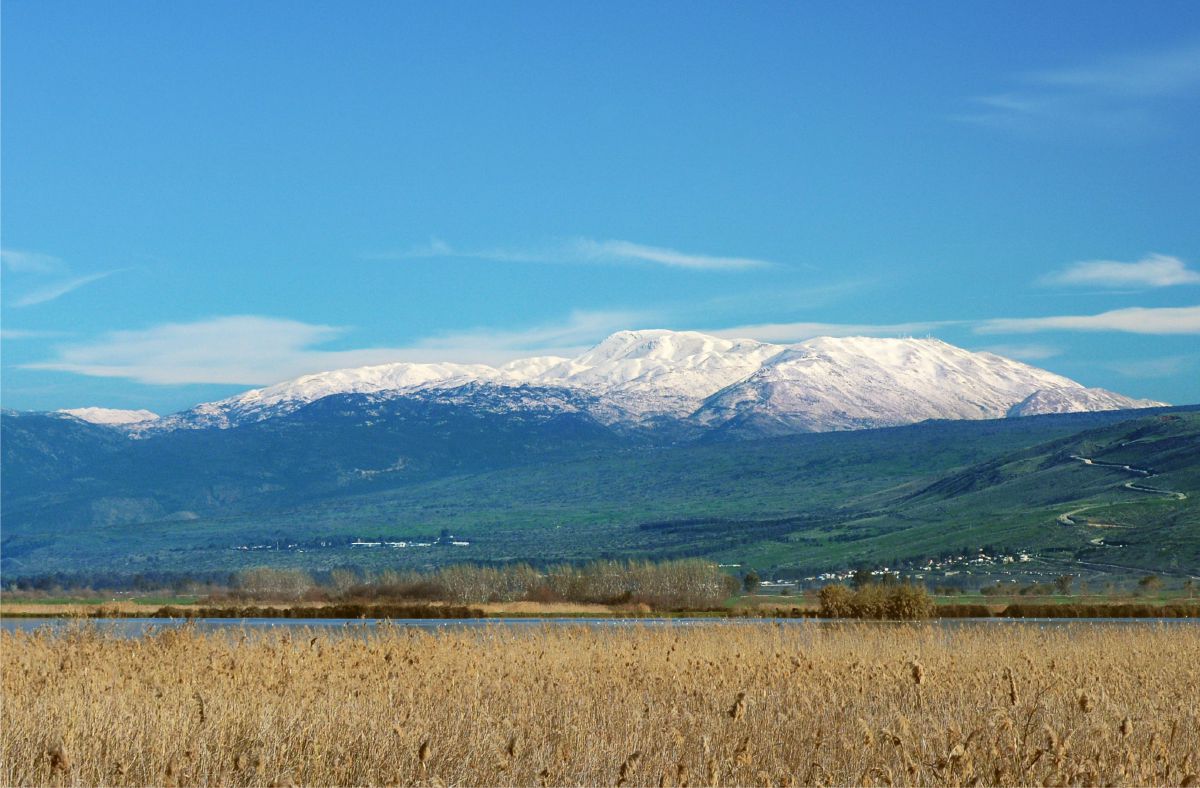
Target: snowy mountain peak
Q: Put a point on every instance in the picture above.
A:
(640, 378)
(858, 382)
(654, 373)
(364, 380)
(663, 345)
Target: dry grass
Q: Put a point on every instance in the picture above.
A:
(126, 608)
(725, 704)
(116, 608)
(41, 609)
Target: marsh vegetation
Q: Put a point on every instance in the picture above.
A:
(729, 704)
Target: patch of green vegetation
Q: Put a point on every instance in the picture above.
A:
(797, 506)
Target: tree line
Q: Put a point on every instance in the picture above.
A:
(687, 583)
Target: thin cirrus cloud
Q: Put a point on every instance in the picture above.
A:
(37, 265)
(584, 251)
(254, 350)
(1162, 367)
(19, 261)
(1132, 320)
(58, 289)
(1123, 98)
(1154, 270)
(580, 331)
(1031, 352)
(797, 332)
(1162, 73)
(26, 333)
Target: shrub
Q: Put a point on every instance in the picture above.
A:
(869, 601)
(835, 601)
(909, 602)
(899, 601)
(267, 583)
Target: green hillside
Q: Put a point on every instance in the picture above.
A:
(794, 506)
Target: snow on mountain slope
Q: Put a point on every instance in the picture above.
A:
(857, 382)
(530, 369)
(657, 372)
(1075, 400)
(643, 378)
(110, 415)
(281, 398)
(632, 375)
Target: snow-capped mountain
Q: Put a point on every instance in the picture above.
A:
(1075, 399)
(645, 374)
(856, 382)
(283, 398)
(110, 415)
(643, 379)
(633, 376)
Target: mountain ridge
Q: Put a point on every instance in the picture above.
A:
(655, 378)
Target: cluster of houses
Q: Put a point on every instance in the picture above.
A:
(946, 567)
(445, 539)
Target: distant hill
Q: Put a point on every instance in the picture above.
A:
(555, 483)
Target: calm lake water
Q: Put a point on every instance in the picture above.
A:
(138, 627)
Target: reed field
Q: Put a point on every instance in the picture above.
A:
(800, 703)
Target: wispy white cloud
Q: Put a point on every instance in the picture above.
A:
(796, 332)
(254, 350)
(1025, 352)
(582, 251)
(237, 349)
(25, 333)
(1150, 74)
(1136, 320)
(19, 261)
(31, 267)
(621, 251)
(579, 331)
(1122, 98)
(774, 299)
(1154, 270)
(1163, 367)
(1056, 116)
(1133, 320)
(58, 289)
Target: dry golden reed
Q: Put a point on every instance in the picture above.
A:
(726, 704)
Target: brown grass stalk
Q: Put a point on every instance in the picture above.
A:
(724, 704)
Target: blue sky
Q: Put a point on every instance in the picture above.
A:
(201, 197)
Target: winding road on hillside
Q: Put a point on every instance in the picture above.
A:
(1067, 518)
